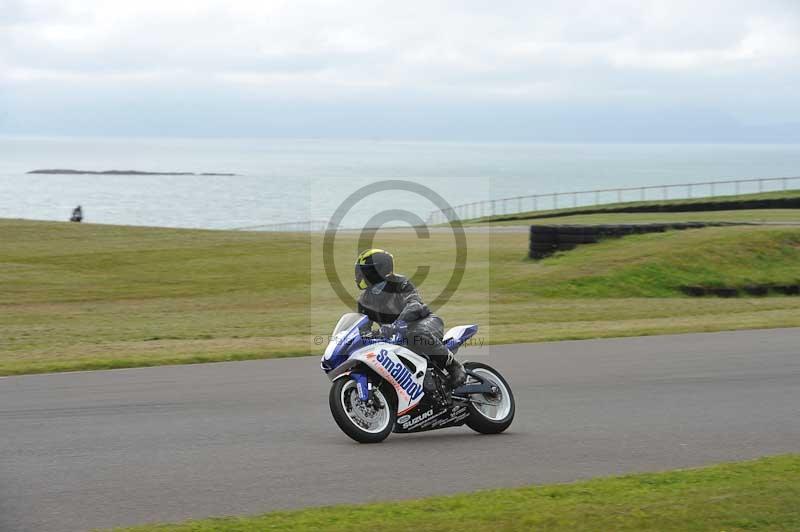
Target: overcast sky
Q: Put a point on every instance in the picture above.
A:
(661, 70)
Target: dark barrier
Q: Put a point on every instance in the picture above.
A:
(750, 290)
(547, 239)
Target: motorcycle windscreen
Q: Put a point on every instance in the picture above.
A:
(344, 338)
(347, 321)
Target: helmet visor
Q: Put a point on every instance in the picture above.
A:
(361, 281)
(367, 275)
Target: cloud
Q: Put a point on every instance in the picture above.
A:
(719, 55)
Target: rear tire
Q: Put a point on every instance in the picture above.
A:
(481, 421)
(346, 410)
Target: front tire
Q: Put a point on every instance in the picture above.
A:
(497, 411)
(362, 423)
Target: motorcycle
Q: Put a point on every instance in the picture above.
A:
(379, 386)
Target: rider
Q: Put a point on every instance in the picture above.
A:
(392, 301)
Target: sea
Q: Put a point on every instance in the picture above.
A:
(294, 180)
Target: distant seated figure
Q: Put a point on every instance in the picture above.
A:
(77, 214)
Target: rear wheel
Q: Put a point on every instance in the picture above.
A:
(490, 413)
(364, 423)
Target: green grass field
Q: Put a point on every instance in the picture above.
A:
(656, 264)
(756, 495)
(82, 296)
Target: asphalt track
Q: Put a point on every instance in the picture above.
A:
(108, 448)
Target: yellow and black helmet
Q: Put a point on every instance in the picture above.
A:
(372, 267)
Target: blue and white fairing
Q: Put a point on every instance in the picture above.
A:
(455, 337)
(398, 366)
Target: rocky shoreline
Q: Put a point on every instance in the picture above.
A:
(67, 171)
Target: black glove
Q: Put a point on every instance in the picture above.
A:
(396, 332)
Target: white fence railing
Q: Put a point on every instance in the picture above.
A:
(589, 198)
(583, 198)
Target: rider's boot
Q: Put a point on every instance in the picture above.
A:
(456, 372)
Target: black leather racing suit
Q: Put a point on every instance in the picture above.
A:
(398, 299)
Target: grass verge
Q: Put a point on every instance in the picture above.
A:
(657, 264)
(755, 495)
(82, 296)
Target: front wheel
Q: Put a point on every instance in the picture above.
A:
(364, 423)
(490, 413)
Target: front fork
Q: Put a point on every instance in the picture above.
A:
(366, 391)
(363, 385)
